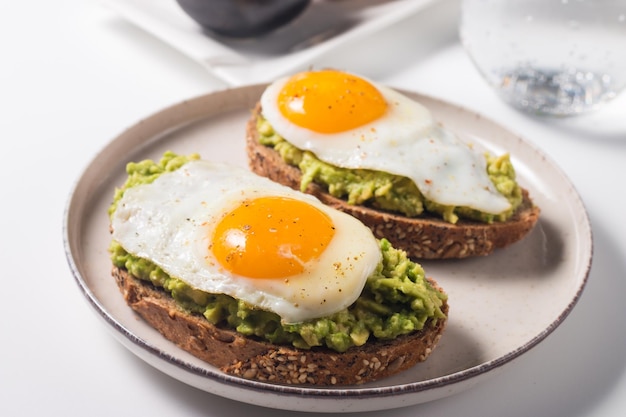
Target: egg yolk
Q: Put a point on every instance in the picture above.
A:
(271, 237)
(330, 101)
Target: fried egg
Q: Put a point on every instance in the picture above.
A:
(351, 122)
(224, 230)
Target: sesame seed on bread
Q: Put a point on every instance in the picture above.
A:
(254, 359)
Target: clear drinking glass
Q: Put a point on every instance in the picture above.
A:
(557, 57)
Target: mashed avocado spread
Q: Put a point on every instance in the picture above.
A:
(397, 298)
(386, 191)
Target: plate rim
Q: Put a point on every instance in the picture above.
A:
(323, 393)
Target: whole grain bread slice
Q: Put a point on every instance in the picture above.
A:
(424, 237)
(253, 359)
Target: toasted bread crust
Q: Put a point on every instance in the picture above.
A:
(424, 237)
(249, 358)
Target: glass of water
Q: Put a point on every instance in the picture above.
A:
(555, 57)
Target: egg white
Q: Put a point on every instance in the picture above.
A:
(170, 222)
(405, 141)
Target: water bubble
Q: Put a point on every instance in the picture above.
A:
(552, 92)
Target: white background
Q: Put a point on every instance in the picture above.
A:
(75, 74)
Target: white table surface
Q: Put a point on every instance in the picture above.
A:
(74, 75)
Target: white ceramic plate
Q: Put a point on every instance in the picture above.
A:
(501, 305)
(323, 26)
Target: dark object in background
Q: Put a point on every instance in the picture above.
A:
(243, 18)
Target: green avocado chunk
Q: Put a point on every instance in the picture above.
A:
(397, 298)
(386, 191)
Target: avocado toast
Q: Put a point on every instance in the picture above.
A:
(453, 202)
(394, 323)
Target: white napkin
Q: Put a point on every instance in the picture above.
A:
(323, 26)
